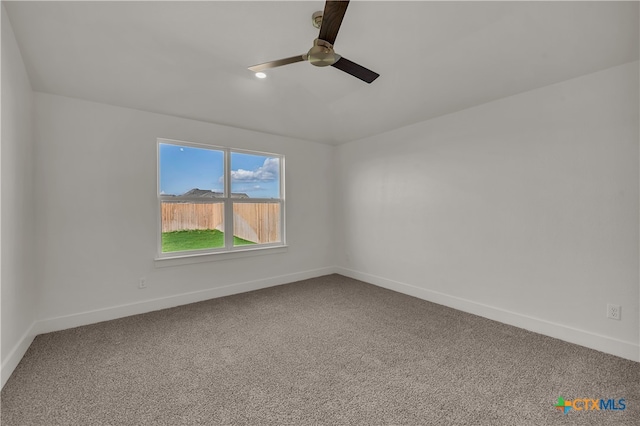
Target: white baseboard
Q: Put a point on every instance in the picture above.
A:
(90, 317)
(16, 354)
(627, 350)
(598, 342)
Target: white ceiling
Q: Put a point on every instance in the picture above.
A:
(190, 59)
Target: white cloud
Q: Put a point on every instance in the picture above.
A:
(267, 172)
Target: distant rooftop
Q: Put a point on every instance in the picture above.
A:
(207, 193)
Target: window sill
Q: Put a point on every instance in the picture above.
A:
(187, 259)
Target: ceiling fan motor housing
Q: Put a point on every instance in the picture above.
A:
(322, 54)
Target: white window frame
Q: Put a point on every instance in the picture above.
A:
(227, 201)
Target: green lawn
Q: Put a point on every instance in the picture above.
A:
(196, 240)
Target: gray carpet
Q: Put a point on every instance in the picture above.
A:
(329, 350)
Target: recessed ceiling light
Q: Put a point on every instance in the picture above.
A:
(261, 75)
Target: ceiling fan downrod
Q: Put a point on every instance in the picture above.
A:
(316, 19)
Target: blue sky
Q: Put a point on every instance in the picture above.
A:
(183, 168)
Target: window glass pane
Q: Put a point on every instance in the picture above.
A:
(188, 171)
(195, 183)
(256, 223)
(254, 176)
(192, 226)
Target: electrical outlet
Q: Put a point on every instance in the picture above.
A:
(614, 311)
(142, 283)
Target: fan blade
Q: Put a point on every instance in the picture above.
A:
(331, 19)
(356, 70)
(278, 63)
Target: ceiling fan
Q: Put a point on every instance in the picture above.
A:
(322, 53)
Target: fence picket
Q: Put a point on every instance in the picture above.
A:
(257, 222)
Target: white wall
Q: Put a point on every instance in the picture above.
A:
(19, 291)
(97, 220)
(524, 210)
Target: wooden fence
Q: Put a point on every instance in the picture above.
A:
(257, 222)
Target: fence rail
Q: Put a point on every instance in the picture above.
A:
(257, 222)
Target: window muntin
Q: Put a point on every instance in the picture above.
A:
(214, 199)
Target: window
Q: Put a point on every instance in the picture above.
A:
(214, 199)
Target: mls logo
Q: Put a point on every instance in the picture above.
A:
(588, 404)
